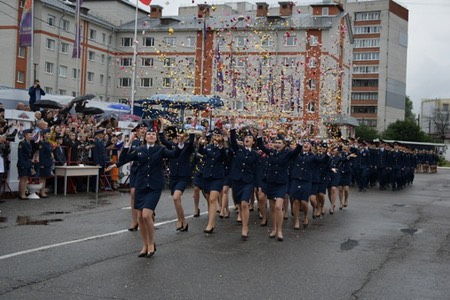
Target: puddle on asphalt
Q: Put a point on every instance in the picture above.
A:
(3, 219)
(349, 244)
(399, 205)
(409, 231)
(55, 213)
(25, 220)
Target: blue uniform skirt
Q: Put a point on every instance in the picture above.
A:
(346, 179)
(24, 171)
(45, 171)
(133, 179)
(276, 190)
(300, 189)
(212, 184)
(147, 198)
(198, 181)
(178, 184)
(315, 188)
(242, 191)
(335, 178)
(227, 180)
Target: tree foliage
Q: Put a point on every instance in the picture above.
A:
(406, 130)
(367, 133)
(409, 114)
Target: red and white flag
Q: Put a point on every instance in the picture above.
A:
(146, 2)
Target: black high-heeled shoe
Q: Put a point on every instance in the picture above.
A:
(185, 228)
(142, 254)
(209, 230)
(197, 214)
(134, 228)
(150, 254)
(280, 238)
(263, 224)
(220, 216)
(244, 237)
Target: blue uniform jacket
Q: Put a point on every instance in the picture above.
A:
(304, 164)
(278, 162)
(213, 161)
(45, 154)
(244, 164)
(24, 155)
(99, 153)
(180, 166)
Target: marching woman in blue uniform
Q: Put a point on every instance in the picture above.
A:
(138, 140)
(243, 171)
(214, 156)
(149, 183)
(277, 178)
(301, 175)
(334, 176)
(46, 160)
(180, 171)
(24, 162)
(324, 178)
(345, 180)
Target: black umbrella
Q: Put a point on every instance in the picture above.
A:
(93, 111)
(50, 104)
(83, 98)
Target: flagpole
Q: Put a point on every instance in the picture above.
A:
(133, 65)
(32, 71)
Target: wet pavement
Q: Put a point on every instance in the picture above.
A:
(385, 245)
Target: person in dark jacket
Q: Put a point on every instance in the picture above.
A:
(24, 162)
(35, 92)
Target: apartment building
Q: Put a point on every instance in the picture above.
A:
(435, 117)
(265, 62)
(378, 92)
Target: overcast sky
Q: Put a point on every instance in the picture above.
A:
(428, 74)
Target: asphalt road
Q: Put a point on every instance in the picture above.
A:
(385, 245)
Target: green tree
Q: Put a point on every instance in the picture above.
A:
(364, 132)
(409, 114)
(406, 130)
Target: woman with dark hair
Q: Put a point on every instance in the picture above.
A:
(46, 160)
(243, 172)
(149, 182)
(277, 178)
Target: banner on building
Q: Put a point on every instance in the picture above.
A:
(26, 24)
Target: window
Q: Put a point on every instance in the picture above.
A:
(366, 56)
(103, 38)
(365, 96)
(62, 92)
(109, 39)
(90, 76)
(364, 16)
(312, 84)
(167, 82)
(64, 47)
(241, 63)
(325, 11)
(148, 42)
(445, 107)
(91, 55)
(365, 83)
(102, 79)
(48, 90)
(21, 52)
(240, 41)
(367, 43)
(65, 25)
(127, 42)
(146, 82)
(48, 67)
(267, 41)
(51, 20)
(75, 74)
(170, 41)
(189, 82)
(311, 107)
(92, 34)
(124, 82)
(147, 62)
(290, 40)
(108, 81)
(364, 109)
(289, 62)
(190, 61)
(62, 71)
(20, 77)
(367, 29)
(312, 62)
(368, 122)
(365, 69)
(313, 40)
(190, 41)
(22, 3)
(126, 62)
(50, 44)
(103, 58)
(169, 62)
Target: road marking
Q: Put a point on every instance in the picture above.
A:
(83, 239)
